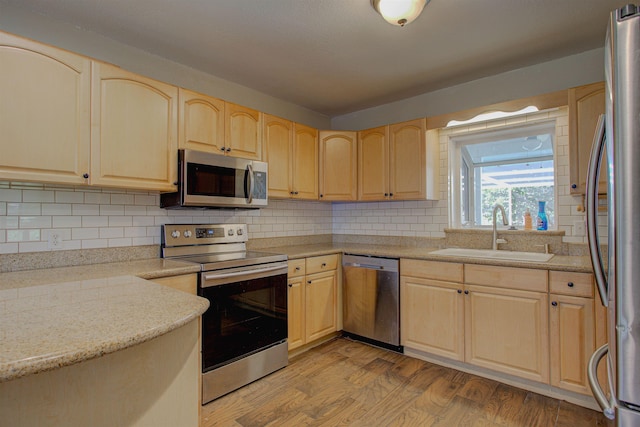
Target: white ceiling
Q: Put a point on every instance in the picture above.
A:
(340, 56)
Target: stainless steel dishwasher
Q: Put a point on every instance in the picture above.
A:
(371, 306)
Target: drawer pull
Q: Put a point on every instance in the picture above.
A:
(570, 284)
(324, 264)
(297, 268)
(459, 291)
(290, 285)
(554, 303)
(466, 292)
(309, 282)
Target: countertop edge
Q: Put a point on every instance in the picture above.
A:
(51, 361)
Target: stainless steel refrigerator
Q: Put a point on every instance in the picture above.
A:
(617, 140)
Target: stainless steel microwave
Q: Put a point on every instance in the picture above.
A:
(208, 180)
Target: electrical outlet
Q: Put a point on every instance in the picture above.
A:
(579, 228)
(55, 241)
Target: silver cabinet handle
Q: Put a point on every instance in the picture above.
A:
(592, 375)
(591, 203)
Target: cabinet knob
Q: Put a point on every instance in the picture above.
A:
(554, 303)
(290, 285)
(459, 291)
(295, 192)
(390, 194)
(223, 149)
(85, 175)
(574, 186)
(228, 149)
(322, 195)
(570, 284)
(466, 292)
(309, 282)
(291, 192)
(297, 268)
(324, 264)
(175, 182)
(386, 194)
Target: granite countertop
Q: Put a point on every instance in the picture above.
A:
(558, 262)
(58, 317)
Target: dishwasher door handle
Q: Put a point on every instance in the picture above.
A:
(371, 266)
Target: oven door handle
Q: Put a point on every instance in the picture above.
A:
(213, 276)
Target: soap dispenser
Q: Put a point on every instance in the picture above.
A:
(528, 221)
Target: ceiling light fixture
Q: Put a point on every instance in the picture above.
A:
(399, 12)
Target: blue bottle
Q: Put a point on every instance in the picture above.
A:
(542, 217)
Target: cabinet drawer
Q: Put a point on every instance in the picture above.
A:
(436, 270)
(321, 263)
(569, 283)
(296, 267)
(526, 279)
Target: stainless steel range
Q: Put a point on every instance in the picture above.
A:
(244, 331)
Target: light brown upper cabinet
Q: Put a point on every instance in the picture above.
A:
(201, 121)
(338, 165)
(413, 170)
(373, 164)
(291, 150)
(397, 162)
(243, 132)
(586, 103)
(134, 134)
(44, 112)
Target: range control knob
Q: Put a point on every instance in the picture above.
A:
(239, 231)
(175, 234)
(230, 232)
(187, 233)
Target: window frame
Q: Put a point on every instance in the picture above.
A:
(457, 160)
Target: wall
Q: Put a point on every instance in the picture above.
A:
(547, 77)
(88, 218)
(430, 218)
(40, 28)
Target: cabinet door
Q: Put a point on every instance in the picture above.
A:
(373, 164)
(320, 297)
(44, 112)
(586, 103)
(134, 130)
(296, 312)
(305, 162)
(277, 142)
(408, 157)
(201, 122)
(338, 166)
(572, 341)
(432, 316)
(243, 132)
(507, 331)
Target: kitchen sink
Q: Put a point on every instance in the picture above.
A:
(491, 254)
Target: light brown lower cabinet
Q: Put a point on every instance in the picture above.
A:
(535, 324)
(184, 282)
(312, 299)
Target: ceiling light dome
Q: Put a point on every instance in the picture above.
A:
(399, 12)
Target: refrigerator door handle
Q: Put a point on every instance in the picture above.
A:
(591, 203)
(592, 374)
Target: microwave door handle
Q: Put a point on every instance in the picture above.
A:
(251, 184)
(591, 202)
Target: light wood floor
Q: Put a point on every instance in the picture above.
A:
(348, 383)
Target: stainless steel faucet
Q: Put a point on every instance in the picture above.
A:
(495, 230)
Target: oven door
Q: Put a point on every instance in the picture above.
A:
(247, 312)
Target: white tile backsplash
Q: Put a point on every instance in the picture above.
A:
(88, 218)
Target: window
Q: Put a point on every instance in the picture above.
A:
(513, 167)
